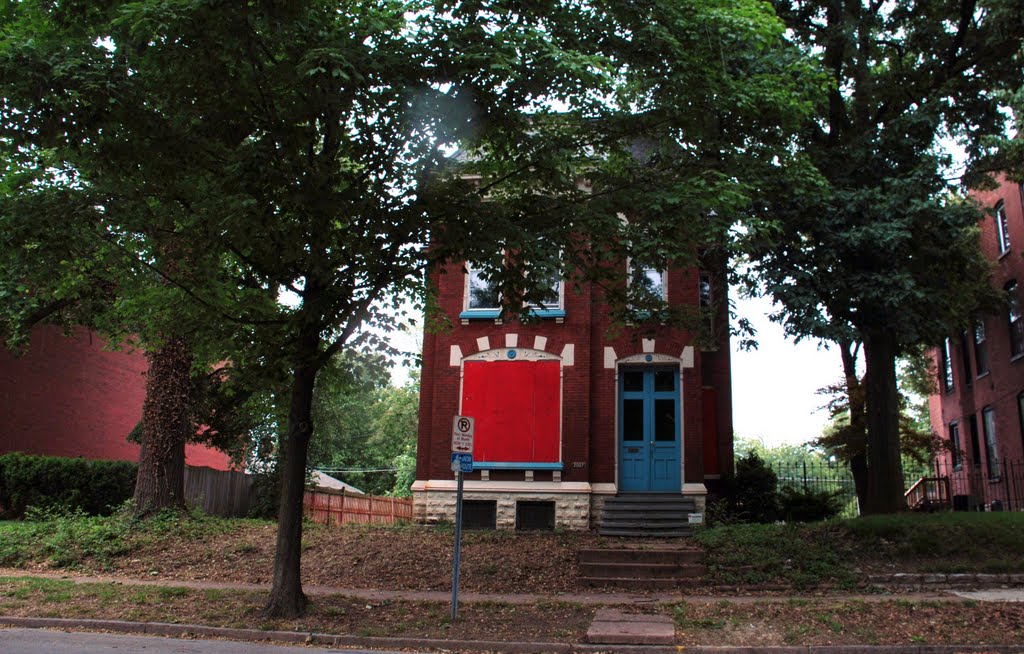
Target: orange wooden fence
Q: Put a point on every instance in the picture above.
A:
(331, 507)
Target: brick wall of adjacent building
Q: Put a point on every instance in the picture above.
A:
(71, 396)
(1004, 383)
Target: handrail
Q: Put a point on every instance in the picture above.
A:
(928, 490)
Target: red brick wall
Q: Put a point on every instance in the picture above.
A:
(1005, 380)
(67, 396)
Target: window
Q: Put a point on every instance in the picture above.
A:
(704, 290)
(517, 406)
(647, 284)
(991, 454)
(480, 514)
(483, 299)
(481, 293)
(965, 356)
(1014, 316)
(1002, 228)
(552, 291)
(535, 516)
(1020, 412)
(947, 366)
(975, 448)
(980, 348)
(954, 443)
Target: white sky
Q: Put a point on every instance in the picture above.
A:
(774, 387)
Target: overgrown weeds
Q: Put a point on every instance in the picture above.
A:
(830, 552)
(68, 538)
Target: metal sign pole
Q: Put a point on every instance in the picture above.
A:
(458, 549)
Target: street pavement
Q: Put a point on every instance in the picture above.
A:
(42, 641)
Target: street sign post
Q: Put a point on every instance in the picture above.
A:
(462, 462)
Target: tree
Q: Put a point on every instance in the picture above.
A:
(870, 245)
(846, 436)
(63, 261)
(304, 149)
(366, 426)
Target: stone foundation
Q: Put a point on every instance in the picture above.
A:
(572, 506)
(577, 505)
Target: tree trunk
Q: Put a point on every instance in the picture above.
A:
(286, 597)
(885, 470)
(160, 483)
(855, 399)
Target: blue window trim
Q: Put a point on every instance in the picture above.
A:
(480, 314)
(547, 313)
(503, 465)
(494, 314)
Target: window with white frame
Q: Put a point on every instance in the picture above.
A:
(1014, 316)
(647, 283)
(1002, 228)
(481, 292)
(954, 444)
(552, 298)
(980, 348)
(988, 425)
(947, 366)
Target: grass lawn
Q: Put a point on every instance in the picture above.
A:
(841, 552)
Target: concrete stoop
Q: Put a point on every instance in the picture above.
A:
(641, 568)
(616, 627)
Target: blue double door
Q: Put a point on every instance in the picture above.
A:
(649, 430)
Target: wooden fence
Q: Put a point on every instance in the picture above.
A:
(335, 507)
(219, 492)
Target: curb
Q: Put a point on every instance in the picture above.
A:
(511, 647)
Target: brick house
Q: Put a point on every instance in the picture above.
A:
(569, 413)
(979, 403)
(70, 396)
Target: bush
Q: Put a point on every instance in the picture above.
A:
(74, 485)
(748, 495)
(805, 505)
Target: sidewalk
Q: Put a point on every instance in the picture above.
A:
(612, 628)
(589, 599)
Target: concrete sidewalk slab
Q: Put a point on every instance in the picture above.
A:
(993, 595)
(616, 627)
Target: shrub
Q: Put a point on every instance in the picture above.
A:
(748, 495)
(805, 505)
(91, 487)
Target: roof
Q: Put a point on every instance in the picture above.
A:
(326, 481)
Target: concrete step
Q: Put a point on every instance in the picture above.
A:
(615, 627)
(645, 533)
(640, 584)
(641, 555)
(641, 570)
(643, 522)
(654, 513)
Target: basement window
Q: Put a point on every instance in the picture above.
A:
(535, 516)
(479, 514)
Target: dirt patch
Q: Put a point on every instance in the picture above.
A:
(846, 622)
(411, 558)
(333, 614)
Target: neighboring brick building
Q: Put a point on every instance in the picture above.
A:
(566, 415)
(68, 396)
(979, 404)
